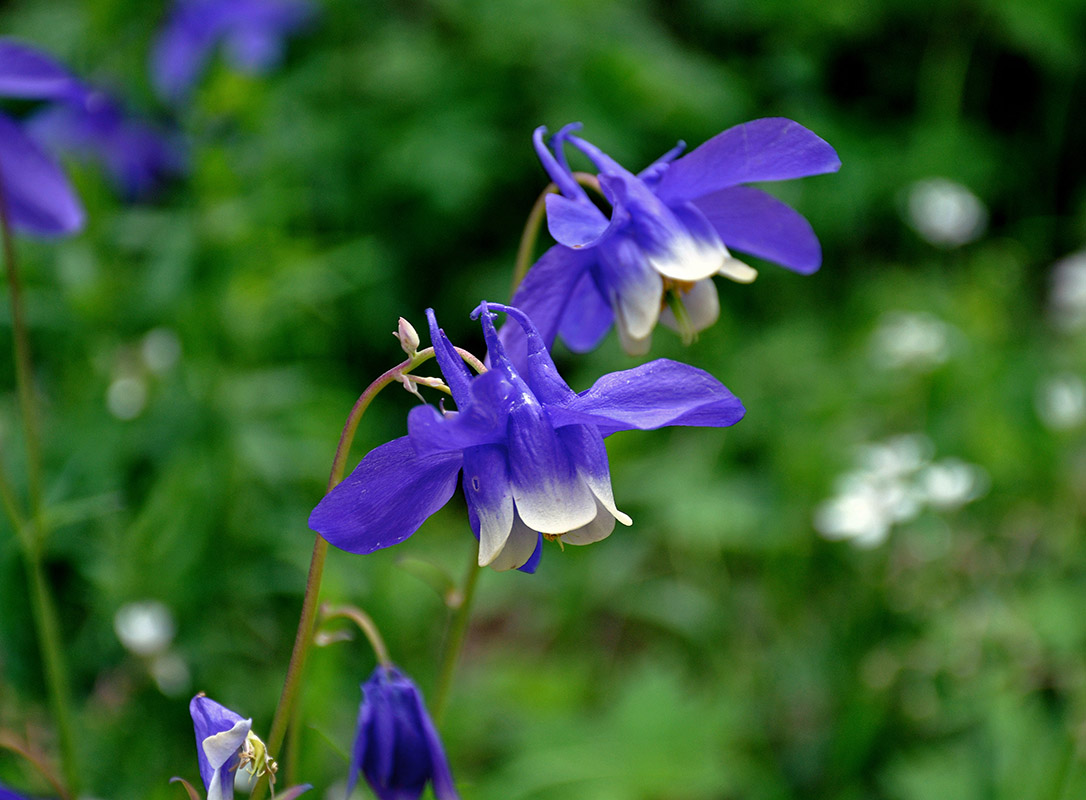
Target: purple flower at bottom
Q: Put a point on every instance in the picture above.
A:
(670, 230)
(7, 794)
(530, 448)
(220, 736)
(252, 33)
(93, 127)
(396, 747)
(39, 198)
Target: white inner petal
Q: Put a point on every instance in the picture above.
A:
(702, 307)
(597, 529)
(689, 259)
(495, 524)
(557, 504)
(601, 488)
(518, 548)
(735, 270)
(221, 746)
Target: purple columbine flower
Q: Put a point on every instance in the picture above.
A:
(93, 126)
(252, 33)
(39, 198)
(396, 747)
(220, 736)
(671, 228)
(7, 794)
(530, 448)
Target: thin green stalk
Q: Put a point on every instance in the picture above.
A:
(535, 221)
(458, 629)
(32, 537)
(365, 624)
(303, 638)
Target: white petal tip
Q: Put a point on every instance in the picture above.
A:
(736, 270)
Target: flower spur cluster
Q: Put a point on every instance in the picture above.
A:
(530, 449)
(671, 228)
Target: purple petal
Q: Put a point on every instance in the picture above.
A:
(490, 498)
(31, 74)
(653, 172)
(754, 222)
(584, 443)
(772, 149)
(541, 375)
(480, 421)
(532, 564)
(181, 51)
(588, 316)
(456, 372)
(662, 392)
(208, 719)
(635, 290)
(575, 223)
(440, 774)
(40, 200)
(387, 497)
(557, 170)
(544, 295)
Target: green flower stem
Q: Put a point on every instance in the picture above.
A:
(303, 639)
(458, 629)
(366, 624)
(535, 221)
(32, 537)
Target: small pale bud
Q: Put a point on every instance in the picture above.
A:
(408, 336)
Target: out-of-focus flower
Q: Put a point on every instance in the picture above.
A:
(670, 230)
(39, 198)
(894, 482)
(1061, 402)
(396, 747)
(8, 794)
(945, 213)
(251, 32)
(1068, 297)
(531, 451)
(911, 340)
(92, 126)
(220, 736)
(145, 628)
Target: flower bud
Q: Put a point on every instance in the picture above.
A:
(408, 336)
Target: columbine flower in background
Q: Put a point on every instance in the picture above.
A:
(220, 736)
(39, 198)
(671, 229)
(396, 747)
(251, 33)
(531, 451)
(92, 126)
(7, 794)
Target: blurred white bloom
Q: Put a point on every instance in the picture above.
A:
(911, 339)
(945, 213)
(126, 397)
(1068, 298)
(171, 674)
(144, 628)
(951, 483)
(161, 350)
(894, 483)
(1061, 402)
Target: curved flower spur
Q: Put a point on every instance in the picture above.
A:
(531, 450)
(671, 229)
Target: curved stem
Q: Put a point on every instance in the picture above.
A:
(303, 638)
(535, 221)
(458, 629)
(366, 624)
(8, 742)
(32, 537)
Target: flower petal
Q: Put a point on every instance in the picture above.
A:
(635, 289)
(39, 197)
(771, 149)
(550, 497)
(220, 747)
(29, 73)
(750, 220)
(575, 223)
(596, 530)
(180, 53)
(702, 307)
(544, 295)
(387, 497)
(481, 421)
(588, 316)
(585, 446)
(456, 372)
(540, 374)
(662, 392)
(522, 550)
(490, 498)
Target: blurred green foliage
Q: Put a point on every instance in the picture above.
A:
(718, 649)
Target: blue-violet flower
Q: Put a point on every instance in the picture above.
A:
(93, 126)
(7, 794)
(252, 32)
(39, 198)
(530, 448)
(671, 228)
(225, 742)
(396, 747)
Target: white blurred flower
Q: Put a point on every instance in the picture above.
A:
(911, 339)
(160, 350)
(897, 457)
(945, 213)
(145, 628)
(1061, 402)
(171, 674)
(1068, 297)
(951, 483)
(126, 397)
